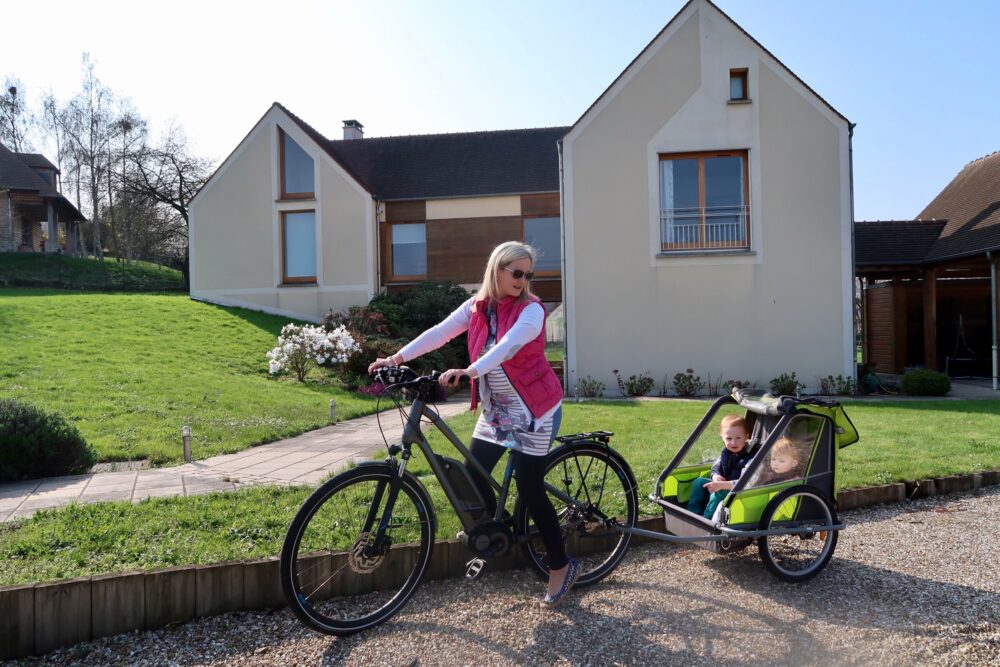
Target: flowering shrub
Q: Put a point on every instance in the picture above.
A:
(301, 347)
(588, 387)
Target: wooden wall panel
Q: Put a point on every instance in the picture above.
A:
(457, 250)
(547, 290)
(540, 205)
(881, 337)
(406, 211)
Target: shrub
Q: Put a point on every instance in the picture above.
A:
(588, 387)
(839, 386)
(359, 320)
(301, 347)
(635, 385)
(408, 314)
(687, 383)
(784, 385)
(924, 382)
(35, 443)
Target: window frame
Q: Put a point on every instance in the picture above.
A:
(702, 245)
(392, 276)
(547, 273)
(282, 195)
(285, 278)
(743, 74)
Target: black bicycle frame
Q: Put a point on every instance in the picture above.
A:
(412, 434)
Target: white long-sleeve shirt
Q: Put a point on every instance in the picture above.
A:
(526, 329)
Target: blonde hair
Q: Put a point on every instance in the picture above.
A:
(733, 420)
(785, 447)
(502, 256)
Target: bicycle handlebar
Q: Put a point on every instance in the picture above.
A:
(404, 377)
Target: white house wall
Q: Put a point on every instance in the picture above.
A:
(752, 316)
(236, 222)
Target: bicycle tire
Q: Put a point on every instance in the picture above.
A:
(798, 558)
(586, 472)
(331, 583)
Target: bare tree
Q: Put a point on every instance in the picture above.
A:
(87, 122)
(15, 118)
(170, 175)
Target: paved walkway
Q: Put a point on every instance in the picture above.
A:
(304, 459)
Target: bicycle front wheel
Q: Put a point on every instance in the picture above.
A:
(340, 574)
(603, 492)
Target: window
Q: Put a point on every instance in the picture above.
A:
(298, 247)
(409, 251)
(704, 201)
(738, 85)
(543, 235)
(296, 169)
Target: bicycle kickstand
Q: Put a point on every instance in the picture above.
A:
(474, 567)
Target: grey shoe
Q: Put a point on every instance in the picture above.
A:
(572, 574)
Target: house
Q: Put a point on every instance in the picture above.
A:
(31, 207)
(704, 202)
(297, 224)
(930, 292)
(707, 216)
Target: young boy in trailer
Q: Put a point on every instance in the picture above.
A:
(706, 494)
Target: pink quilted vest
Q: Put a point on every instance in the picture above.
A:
(528, 370)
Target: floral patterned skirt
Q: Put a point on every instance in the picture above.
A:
(506, 421)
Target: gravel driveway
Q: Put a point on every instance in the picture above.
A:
(909, 584)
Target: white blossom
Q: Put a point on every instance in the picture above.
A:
(298, 347)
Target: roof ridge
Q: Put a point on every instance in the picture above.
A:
(919, 221)
(981, 158)
(454, 134)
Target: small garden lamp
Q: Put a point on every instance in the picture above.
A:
(186, 438)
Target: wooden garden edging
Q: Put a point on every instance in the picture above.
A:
(41, 617)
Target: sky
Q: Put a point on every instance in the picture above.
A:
(921, 79)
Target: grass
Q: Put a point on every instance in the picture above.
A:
(53, 270)
(130, 369)
(900, 440)
(555, 351)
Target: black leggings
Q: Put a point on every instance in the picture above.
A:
(530, 474)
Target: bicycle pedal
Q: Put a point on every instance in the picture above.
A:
(474, 567)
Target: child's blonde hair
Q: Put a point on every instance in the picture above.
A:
(503, 255)
(733, 420)
(786, 447)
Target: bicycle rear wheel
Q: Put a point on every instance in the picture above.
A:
(336, 576)
(604, 489)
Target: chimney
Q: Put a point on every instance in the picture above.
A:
(353, 130)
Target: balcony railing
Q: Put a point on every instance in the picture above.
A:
(714, 227)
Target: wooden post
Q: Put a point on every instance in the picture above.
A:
(930, 319)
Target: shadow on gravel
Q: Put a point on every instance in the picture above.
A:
(856, 595)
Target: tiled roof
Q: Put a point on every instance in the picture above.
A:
(36, 160)
(971, 205)
(462, 164)
(17, 175)
(892, 242)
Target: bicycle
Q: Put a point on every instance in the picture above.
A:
(360, 545)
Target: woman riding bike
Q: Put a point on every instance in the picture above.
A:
(521, 395)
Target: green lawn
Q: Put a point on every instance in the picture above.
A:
(53, 270)
(900, 440)
(130, 369)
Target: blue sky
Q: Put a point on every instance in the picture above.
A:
(919, 78)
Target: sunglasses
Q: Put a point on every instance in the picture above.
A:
(518, 273)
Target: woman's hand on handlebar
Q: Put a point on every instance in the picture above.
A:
(453, 376)
(387, 362)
